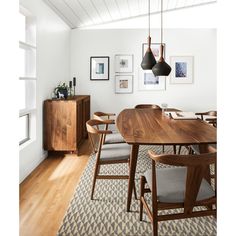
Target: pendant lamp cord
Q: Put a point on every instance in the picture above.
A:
(149, 18)
(161, 21)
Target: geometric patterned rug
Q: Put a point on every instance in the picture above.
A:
(106, 214)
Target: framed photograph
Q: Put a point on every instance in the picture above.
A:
(99, 68)
(155, 50)
(182, 70)
(123, 63)
(124, 84)
(147, 81)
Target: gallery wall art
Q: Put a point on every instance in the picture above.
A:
(147, 81)
(124, 83)
(182, 70)
(99, 68)
(123, 63)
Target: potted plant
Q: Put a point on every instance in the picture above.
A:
(62, 91)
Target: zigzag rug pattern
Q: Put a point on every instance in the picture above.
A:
(106, 214)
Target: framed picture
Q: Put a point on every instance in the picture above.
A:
(123, 63)
(99, 68)
(155, 50)
(124, 84)
(147, 81)
(182, 70)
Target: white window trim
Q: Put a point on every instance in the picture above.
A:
(28, 111)
(26, 46)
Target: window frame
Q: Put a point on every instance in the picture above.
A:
(27, 129)
(27, 45)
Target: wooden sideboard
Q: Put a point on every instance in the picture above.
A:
(65, 123)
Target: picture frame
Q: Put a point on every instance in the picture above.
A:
(124, 63)
(155, 47)
(99, 68)
(124, 84)
(147, 81)
(182, 70)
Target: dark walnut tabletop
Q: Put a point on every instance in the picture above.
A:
(151, 126)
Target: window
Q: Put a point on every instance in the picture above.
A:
(27, 76)
(24, 128)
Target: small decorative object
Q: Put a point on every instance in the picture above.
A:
(148, 81)
(74, 84)
(161, 68)
(70, 85)
(123, 63)
(124, 83)
(61, 91)
(99, 68)
(164, 106)
(182, 70)
(148, 59)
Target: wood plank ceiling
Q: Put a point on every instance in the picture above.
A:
(82, 13)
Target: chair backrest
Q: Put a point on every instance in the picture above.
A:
(98, 115)
(208, 113)
(150, 106)
(212, 121)
(171, 109)
(96, 134)
(196, 169)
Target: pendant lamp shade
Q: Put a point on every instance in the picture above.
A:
(161, 68)
(148, 60)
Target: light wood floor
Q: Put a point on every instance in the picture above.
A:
(46, 193)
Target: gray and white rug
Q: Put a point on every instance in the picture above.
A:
(106, 215)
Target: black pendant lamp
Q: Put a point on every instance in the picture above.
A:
(148, 60)
(161, 68)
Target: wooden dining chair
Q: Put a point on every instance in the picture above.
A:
(212, 121)
(194, 149)
(115, 136)
(178, 187)
(209, 116)
(150, 106)
(106, 154)
(174, 146)
(153, 106)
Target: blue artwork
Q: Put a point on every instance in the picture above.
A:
(180, 69)
(100, 68)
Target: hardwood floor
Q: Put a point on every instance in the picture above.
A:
(46, 193)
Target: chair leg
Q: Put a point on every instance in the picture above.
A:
(180, 147)
(174, 149)
(163, 148)
(154, 222)
(96, 171)
(154, 228)
(190, 151)
(135, 193)
(142, 183)
(154, 214)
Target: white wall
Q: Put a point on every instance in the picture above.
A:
(53, 58)
(200, 43)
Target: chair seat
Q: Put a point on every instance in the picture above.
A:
(115, 152)
(171, 185)
(114, 138)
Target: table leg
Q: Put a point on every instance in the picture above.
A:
(133, 163)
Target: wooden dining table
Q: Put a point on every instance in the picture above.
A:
(153, 127)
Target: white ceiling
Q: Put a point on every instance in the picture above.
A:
(83, 13)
